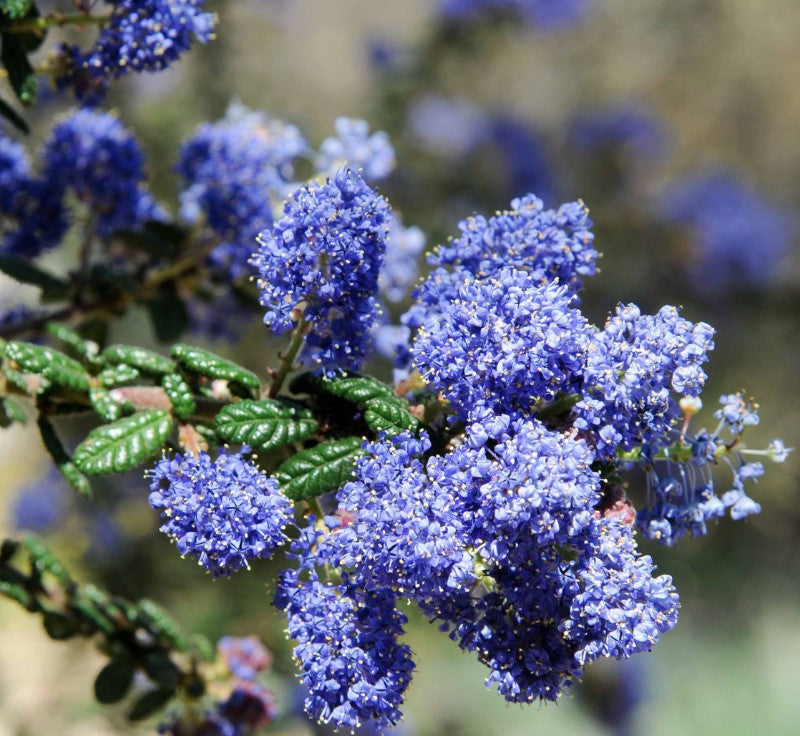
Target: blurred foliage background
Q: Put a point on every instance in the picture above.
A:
(624, 109)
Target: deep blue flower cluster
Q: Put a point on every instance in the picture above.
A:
(140, 35)
(352, 665)
(234, 173)
(224, 512)
(90, 156)
(371, 155)
(319, 266)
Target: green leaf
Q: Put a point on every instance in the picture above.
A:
(43, 560)
(105, 406)
(10, 412)
(61, 459)
(149, 703)
(31, 384)
(25, 272)
(208, 364)
(114, 681)
(52, 364)
(80, 346)
(122, 445)
(389, 415)
(58, 626)
(15, 9)
(144, 360)
(10, 114)
(168, 314)
(319, 469)
(358, 389)
(180, 394)
(156, 620)
(117, 375)
(264, 425)
(162, 670)
(21, 75)
(16, 592)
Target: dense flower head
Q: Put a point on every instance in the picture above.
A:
(233, 173)
(140, 35)
(323, 257)
(222, 512)
(372, 155)
(636, 364)
(504, 342)
(100, 161)
(737, 237)
(353, 667)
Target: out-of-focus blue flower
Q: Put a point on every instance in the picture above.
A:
(98, 159)
(448, 127)
(525, 158)
(544, 14)
(736, 236)
(14, 170)
(404, 246)
(353, 146)
(40, 506)
(627, 128)
(223, 512)
(323, 257)
(234, 172)
(141, 35)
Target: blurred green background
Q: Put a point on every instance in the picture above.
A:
(722, 77)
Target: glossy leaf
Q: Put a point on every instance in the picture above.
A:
(319, 469)
(389, 415)
(124, 444)
(144, 360)
(180, 394)
(208, 364)
(264, 425)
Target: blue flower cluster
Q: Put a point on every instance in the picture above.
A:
(352, 665)
(140, 35)
(234, 172)
(319, 267)
(90, 155)
(372, 155)
(222, 512)
(681, 497)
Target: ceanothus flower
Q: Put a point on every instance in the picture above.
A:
(505, 342)
(222, 512)
(322, 258)
(96, 157)
(140, 35)
(15, 169)
(353, 146)
(353, 666)
(543, 14)
(634, 366)
(233, 173)
(404, 245)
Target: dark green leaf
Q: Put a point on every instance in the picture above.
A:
(61, 459)
(10, 114)
(118, 375)
(389, 415)
(14, 56)
(180, 394)
(16, 592)
(162, 670)
(264, 425)
(358, 389)
(10, 412)
(319, 469)
(58, 626)
(105, 405)
(15, 9)
(25, 272)
(114, 681)
(155, 619)
(117, 447)
(52, 364)
(80, 346)
(168, 314)
(149, 703)
(144, 360)
(32, 384)
(208, 364)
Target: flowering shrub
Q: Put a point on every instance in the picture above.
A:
(499, 483)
